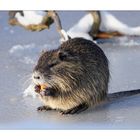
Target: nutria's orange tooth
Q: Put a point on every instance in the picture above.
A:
(43, 86)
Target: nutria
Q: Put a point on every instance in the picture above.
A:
(77, 75)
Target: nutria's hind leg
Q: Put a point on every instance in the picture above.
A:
(44, 108)
(76, 109)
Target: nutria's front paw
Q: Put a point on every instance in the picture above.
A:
(75, 110)
(69, 111)
(43, 108)
(44, 92)
(37, 88)
(47, 92)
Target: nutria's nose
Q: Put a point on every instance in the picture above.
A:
(36, 77)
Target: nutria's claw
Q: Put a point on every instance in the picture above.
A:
(75, 110)
(37, 88)
(43, 108)
(47, 92)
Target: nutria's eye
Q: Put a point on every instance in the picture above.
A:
(52, 65)
(63, 55)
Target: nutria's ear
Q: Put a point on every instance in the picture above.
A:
(42, 52)
(63, 55)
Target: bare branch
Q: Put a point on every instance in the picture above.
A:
(96, 25)
(57, 22)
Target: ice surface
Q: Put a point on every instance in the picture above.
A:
(17, 112)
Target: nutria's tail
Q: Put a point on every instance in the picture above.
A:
(122, 94)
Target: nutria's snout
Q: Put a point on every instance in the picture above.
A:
(37, 77)
(42, 84)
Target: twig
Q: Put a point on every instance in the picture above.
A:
(57, 22)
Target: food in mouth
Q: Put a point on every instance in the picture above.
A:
(40, 88)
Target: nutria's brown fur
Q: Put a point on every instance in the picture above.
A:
(77, 74)
(77, 77)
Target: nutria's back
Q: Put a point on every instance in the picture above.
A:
(77, 72)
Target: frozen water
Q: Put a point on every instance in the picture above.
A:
(19, 52)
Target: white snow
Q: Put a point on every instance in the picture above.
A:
(28, 60)
(19, 47)
(29, 91)
(24, 53)
(111, 23)
(29, 53)
(65, 36)
(30, 17)
(108, 23)
(127, 42)
(82, 28)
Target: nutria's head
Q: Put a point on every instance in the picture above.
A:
(58, 68)
(78, 67)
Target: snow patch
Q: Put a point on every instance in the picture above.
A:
(125, 41)
(29, 91)
(65, 35)
(28, 60)
(111, 23)
(84, 24)
(32, 48)
(30, 17)
(29, 53)
(131, 43)
(26, 54)
(82, 28)
(19, 47)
